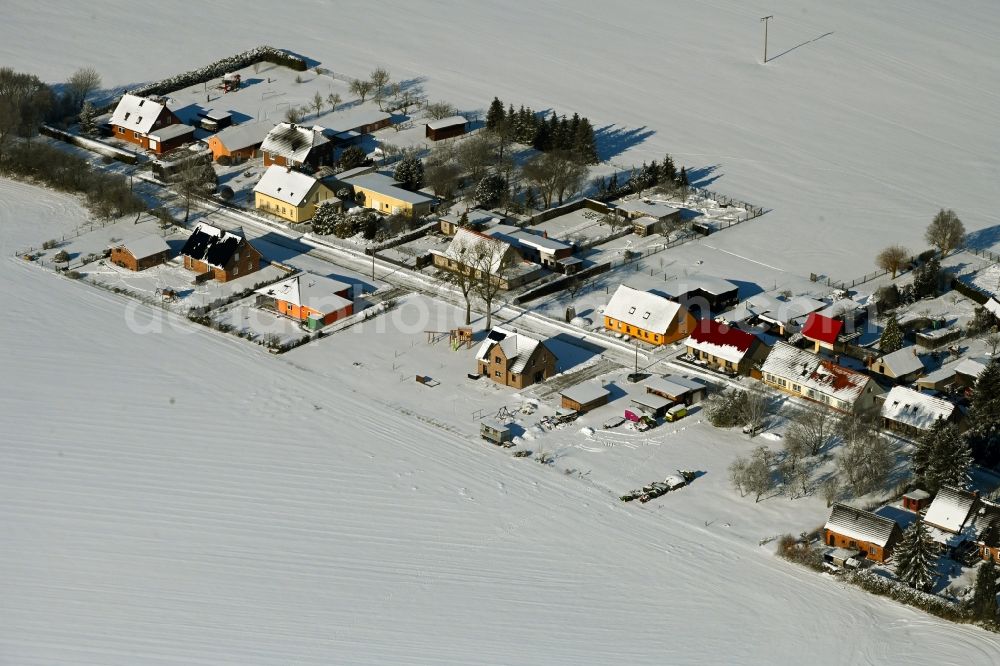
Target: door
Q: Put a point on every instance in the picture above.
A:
(154, 145)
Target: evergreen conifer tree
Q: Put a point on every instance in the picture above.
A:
(682, 178)
(530, 199)
(495, 114)
(88, 119)
(927, 278)
(943, 458)
(892, 337)
(984, 416)
(669, 174)
(984, 600)
(410, 172)
(916, 557)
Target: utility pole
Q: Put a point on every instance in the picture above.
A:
(765, 20)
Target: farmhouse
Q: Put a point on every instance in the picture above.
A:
(239, 142)
(951, 509)
(903, 365)
(706, 293)
(676, 389)
(474, 253)
(382, 193)
(914, 413)
(514, 359)
(647, 316)
(148, 123)
(290, 194)
(649, 216)
(215, 253)
(313, 299)
(446, 128)
(584, 397)
(804, 374)
(822, 331)
(291, 145)
(141, 253)
(870, 533)
(725, 347)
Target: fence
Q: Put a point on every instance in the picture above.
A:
(92, 145)
(561, 283)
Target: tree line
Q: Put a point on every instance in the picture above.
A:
(574, 135)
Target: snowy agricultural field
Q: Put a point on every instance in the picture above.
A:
(173, 495)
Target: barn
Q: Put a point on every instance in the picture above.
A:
(446, 128)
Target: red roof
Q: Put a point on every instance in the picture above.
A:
(712, 332)
(822, 329)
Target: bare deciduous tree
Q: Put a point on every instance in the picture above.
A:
(317, 103)
(195, 178)
(758, 473)
(738, 474)
(83, 82)
(439, 110)
(492, 260)
(831, 489)
(475, 157)
(945, 232)
(865, 459)
(379, 79)
(810, 430)
(360, 88)
(992, 340)
(556, 175)
(892, 259)
(755, 409)
(293, 114)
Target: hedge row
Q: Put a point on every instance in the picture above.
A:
(216, 70)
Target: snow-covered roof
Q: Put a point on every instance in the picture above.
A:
(315, 292)
(450, 121)
(493, 424)
(972, 367)
(237, 137)
(992, 305)
(540, 243)
(902, 361)
(293, 142)
(721, 340)
(860, 525)
(642, 309)
(585, 393)
(950, 509)
(465, 246)
(650, 400)
(938, 376)
(171, 132)
(904, 405)
(709, 284)
(145, 246)
(353, 119)
(813, 373)
(672, 385)
(474, 216)
(137, 113)
(646, 206)
(213, 245)
(517, 347)
(783, 312)
(383, 184)
(842, 308)
(286, 185)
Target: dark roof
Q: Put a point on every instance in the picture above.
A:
(213, 246)
(822, 328)
(861, 525)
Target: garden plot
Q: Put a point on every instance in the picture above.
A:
(246, 320)
(579, 226)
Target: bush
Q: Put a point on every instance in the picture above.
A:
(727, 409)
(74, 275)
(799, 551)
(225, 160)
(49, 244)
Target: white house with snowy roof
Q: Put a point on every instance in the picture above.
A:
(903, 365)
(148, 123)
(951, 514)
(914, 413)
(804, 374)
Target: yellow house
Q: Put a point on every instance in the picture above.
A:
(648, 317)
(291, 194)
(382, 193)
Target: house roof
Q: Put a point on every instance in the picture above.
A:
(353, 119)
(783, 312)
(286, 185)
(902, 361)
(842, 308)
(650, 400)
(950, 508)
(172, 132)
(642, 309)
(860, 525)
(919, 410)
(475, 216)
(450, 121)
(493, 424)
(646, 206)
(137, 113)
(463, 248)
(936, 377)
(721, 340)
(812, 372)
(585, 393)
(293, 142)
(709, 284)
(822, 328)
(383, 184)
(145, 246)
(673, 385)
(237, 137)
(312, 291)
(517, 347)
(539, 242)
(972, 367)
(212, 245)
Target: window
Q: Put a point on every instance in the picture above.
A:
(135, 134)
(121, 130)
(237, 256)
(872, 549)
(496, 374)
(236, 270)
(645, 316)
(496, 359)
(631, 310)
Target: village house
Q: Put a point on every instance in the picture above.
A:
(913, 413)
(823, 332)
(677, 389)
(446, 128)
(804, 374)
(348, 125)
(140, 253)
(290, 194)
(986, 530)
(779, 316)
(725, 347)
(384, 194)
(476, 219)
(239, 142)
(148, 123)
(470, 252)
(584, 397)
(215, 253)
(542, 250)
(514, 359)
(853, 529)
(648, 216)
(646, 316)
(902, 365)
(291, 145)
(950, 510)
(704, 293)
(315, 300)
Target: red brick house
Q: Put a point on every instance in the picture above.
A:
(141, 253)
(149, 124)
(513, 359)
(854, 529)
(291, 145)
(214, 253)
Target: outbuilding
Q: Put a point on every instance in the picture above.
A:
(916, 500)
(651, 404)
(446, 128)
(141, 253)
(584, 397)
(677, 389)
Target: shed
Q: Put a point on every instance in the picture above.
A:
(584, 397)
(141, 253)
(445, 128)
(916, 500)
(214, 120)
(677, 389)
(494, 431)
(652, 404)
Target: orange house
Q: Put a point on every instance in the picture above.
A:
(867, 532)
(648, 317)
(239, 142)
(314, 300)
